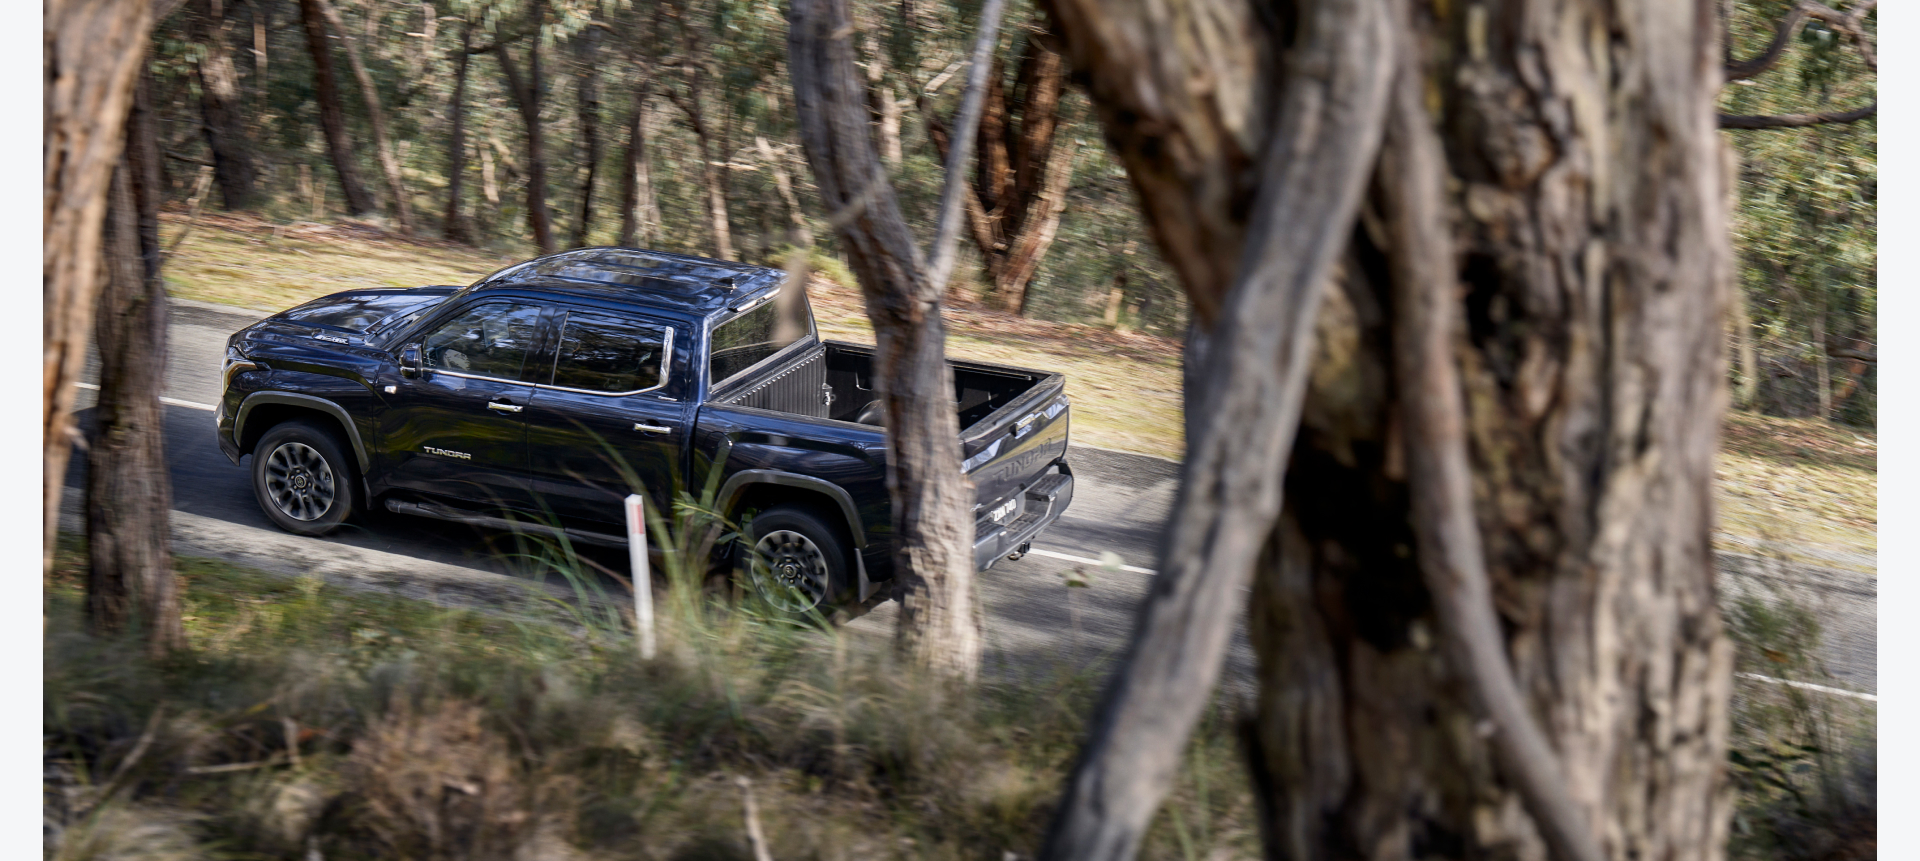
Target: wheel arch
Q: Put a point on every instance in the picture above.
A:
(261, 411)
(758, 488)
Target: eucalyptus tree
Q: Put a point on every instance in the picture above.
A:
(1458, 274)
(92, 52)
(939, 624)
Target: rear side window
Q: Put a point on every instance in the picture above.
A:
(743, 341)
(611, 355)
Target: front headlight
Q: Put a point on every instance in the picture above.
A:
(234, 363)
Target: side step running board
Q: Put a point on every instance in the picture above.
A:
(445, 512)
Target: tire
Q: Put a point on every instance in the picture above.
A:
(303, 479)
(802, 563)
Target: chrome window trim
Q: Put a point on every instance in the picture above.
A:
(666, 364)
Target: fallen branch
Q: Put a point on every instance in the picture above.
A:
(755, 839)
(1794, 121)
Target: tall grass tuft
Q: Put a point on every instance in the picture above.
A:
(307, 720)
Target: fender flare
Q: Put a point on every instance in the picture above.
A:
(309, 402)
(737, 484)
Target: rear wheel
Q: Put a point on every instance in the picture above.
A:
(797, 560)
(302, 478)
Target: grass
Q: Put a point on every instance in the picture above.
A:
(1793, 485)
(1802, 763)
(308, 719)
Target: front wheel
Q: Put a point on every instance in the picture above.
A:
(302, 478)
(797, 561)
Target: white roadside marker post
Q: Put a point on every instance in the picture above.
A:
(642, 577)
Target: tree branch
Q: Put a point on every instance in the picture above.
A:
(1319, 149)
(1777, 48)
(1452, 561)
(942, 252)
(1794, 121)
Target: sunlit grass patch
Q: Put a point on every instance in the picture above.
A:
(1788, 482)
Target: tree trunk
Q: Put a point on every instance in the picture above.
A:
(221, 111)
(92, 51)
(939, 624)
(798, 234)
(589, 129)
(376, 118)
(1020, 178)
(1746, 366)
(526, 95)
(638, 214)
(130, 563)
(1822, 366)
(455, 225)
(711, 181)
(333, 121)
(1581, 236)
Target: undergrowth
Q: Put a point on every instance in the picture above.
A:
(307, 721)
(1802, 761)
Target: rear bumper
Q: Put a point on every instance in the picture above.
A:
(1045, 500)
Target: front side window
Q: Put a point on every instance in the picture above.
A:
(490, 340)
(743, 341)
(600, 353)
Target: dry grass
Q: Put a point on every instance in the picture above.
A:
(306, 719)
(1798, 487)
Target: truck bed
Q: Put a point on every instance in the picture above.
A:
(834, 381)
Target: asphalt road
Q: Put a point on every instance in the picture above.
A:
(1035, 622)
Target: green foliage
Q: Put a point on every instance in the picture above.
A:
(739, 51)
(1806, 224)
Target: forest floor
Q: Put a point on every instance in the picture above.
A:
(1795, 488)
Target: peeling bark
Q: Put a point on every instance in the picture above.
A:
(129, 556)
(1587, 253)
(92, 51)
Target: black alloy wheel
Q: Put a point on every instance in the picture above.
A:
(303, 479)
(798, 561)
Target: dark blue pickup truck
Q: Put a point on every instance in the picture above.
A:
(542, 395)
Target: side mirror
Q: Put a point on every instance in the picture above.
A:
(410, 361)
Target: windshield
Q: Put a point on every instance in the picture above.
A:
(746, 340)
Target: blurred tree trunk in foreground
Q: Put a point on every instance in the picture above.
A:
(130, 561)
(92, 53)
(1484, 614)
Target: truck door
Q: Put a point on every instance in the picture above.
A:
(612, 418)
(459, 429)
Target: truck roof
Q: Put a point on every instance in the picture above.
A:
(672, 282)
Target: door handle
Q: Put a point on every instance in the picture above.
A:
(642, 426)
(505, 407)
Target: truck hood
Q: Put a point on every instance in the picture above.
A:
(356, 316)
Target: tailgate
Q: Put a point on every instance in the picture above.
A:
(1014, 446)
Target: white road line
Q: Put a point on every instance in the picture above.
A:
(1067, 557)
(176, 402)
(1811, 687)
(1085, 561)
